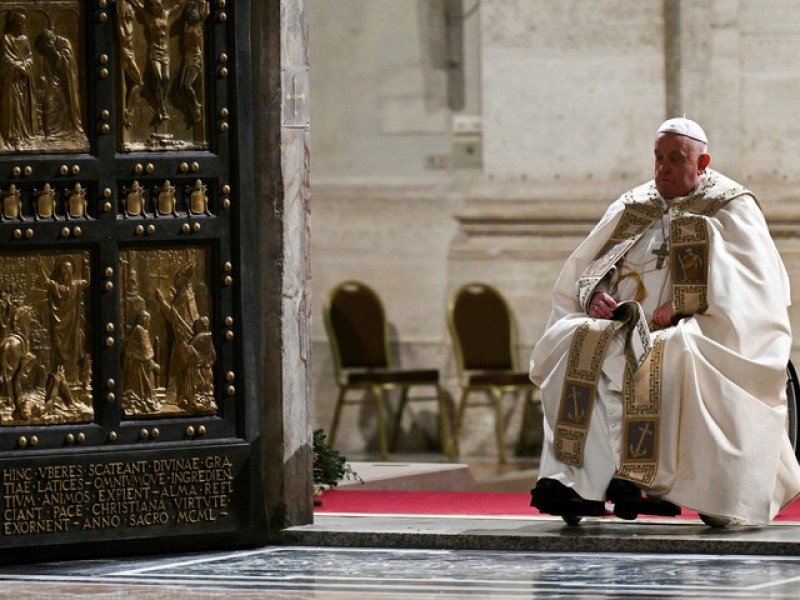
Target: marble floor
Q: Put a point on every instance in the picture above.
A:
(423, 558)
(300, 573)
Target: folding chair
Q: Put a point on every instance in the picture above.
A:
(358, 333)
(484, 340)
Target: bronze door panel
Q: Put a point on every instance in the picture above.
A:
(123, 414)
(168, 352)
(42, 75)
(45, 361)
(162, 74)
(117, 164)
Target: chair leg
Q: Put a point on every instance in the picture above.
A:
(337, 412)
(528, 403)
(462, 405)
(499, 428)
(449, 445)
(527, 415)
(398, 417)
(377, 397)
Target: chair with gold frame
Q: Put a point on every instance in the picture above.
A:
(358, 332)
(484, 342)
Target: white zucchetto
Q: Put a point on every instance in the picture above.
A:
(684, 126)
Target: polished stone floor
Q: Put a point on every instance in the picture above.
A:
(425, 558)
(300, 573)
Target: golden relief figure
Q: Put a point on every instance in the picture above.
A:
(157, 20)
(169, 354)
(131, 75)
(45, 205)
(76, 205)
(198, 200)
(65, 299)
(62, 104)
(139, 369)
(12, 205)
(155, 38)
(133, 201)
(19, 97)
(45, 364)
(42, 74)
(196, 14)
(165, 200)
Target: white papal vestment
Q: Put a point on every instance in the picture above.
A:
(722, 445)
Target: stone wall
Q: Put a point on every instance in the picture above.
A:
(569, 96)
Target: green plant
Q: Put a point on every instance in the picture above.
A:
(329, 464)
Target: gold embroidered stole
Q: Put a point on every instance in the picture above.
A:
(587, 351)
(636, 219)
(641, 416)
(688, 250)
(643, 358)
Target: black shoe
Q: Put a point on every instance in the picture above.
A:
(548, 491)
(631, 508)
(629, 502)
(554, 498)
(621, 489)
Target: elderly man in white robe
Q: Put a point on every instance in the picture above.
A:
(663, 365)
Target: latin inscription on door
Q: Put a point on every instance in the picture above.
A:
(58, 498)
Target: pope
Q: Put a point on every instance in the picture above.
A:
(663, 364)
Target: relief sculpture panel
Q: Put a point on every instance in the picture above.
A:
(168, 351)
(164, 200)
(45, 359)
(42, 77)
(161, 81)
(50, 203)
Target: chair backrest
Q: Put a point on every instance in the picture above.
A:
(356, 325)
(482, 329)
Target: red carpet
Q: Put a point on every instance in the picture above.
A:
(456, 503)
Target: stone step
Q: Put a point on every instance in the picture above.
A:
(409, 476)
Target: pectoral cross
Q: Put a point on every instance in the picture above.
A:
(662, 253)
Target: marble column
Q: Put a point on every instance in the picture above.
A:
(279, 30)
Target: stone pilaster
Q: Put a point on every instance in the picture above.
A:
(279, 30)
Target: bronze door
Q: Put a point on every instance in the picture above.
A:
(120, 240)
